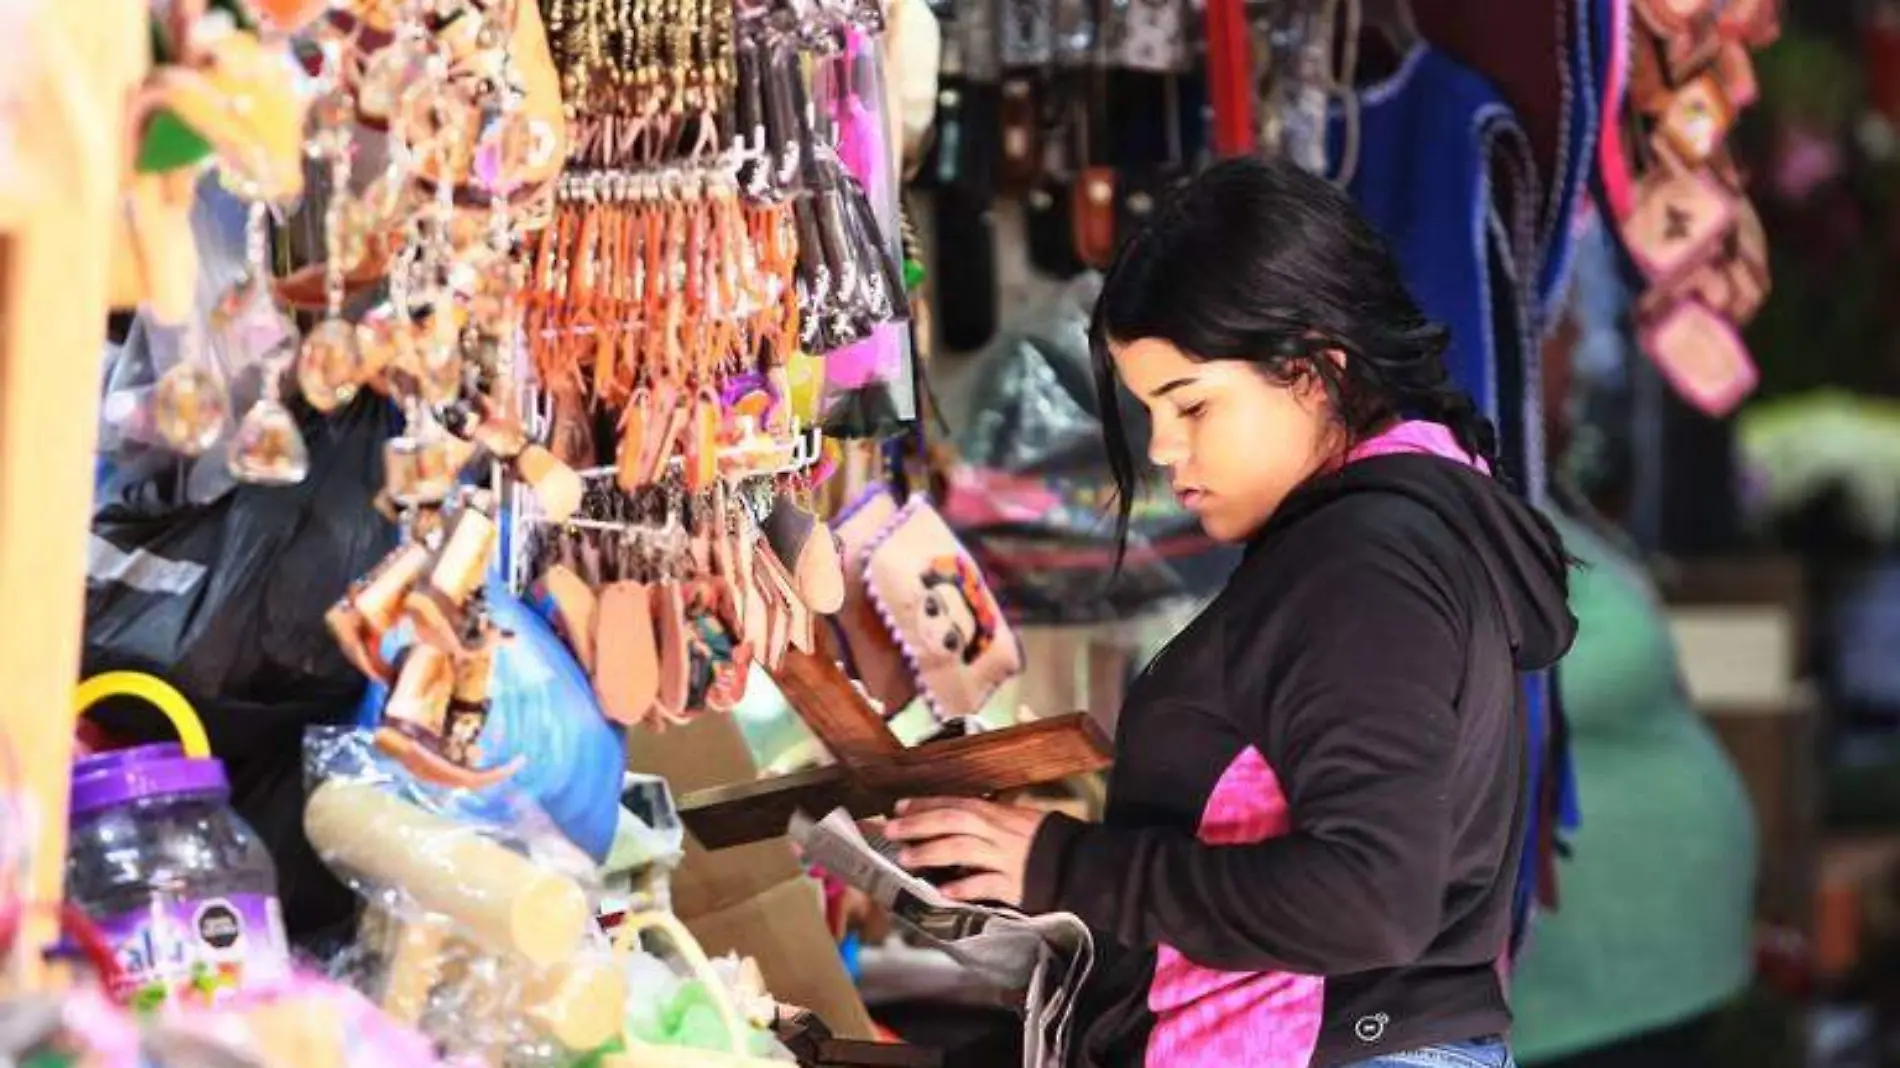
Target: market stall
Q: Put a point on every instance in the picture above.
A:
(512, 339)
(526, 402)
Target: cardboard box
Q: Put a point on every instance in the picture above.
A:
(754, 899)
(784, 930)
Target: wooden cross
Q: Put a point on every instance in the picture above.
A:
(873, 770)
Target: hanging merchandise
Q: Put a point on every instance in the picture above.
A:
(237, 337)
(473, 137)
(1232, 89)
(1543, 61)
(434, 134)
(804, 217)
(695, 313)
(1444, 173)
(542, 717)
(919, 619)
(1086, 114)
(869, 384)
(1677, 196)
(184, 117)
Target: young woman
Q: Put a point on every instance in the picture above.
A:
(1316, 814)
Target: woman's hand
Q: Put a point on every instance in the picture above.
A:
(951, 832)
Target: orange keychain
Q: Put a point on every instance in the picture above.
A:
(636, 423)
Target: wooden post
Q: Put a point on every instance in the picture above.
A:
(64, 87)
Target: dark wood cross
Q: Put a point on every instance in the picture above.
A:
(873, 770)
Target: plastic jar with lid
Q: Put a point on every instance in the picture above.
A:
(180, 886)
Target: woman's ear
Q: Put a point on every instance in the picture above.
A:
(1309, 384)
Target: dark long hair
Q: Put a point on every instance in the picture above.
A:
(1260, 261)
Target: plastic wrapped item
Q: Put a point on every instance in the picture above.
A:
(480, 925)
(649, 844)
(1032, 496)
(685, 1011)
(542, 710)
(490, 861)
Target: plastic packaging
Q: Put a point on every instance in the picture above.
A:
(479, 888)
(685, 1010)
(180, 886)
(542, 710)
(1033, 497)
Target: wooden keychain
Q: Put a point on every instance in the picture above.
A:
(627, 670)
(575, 609)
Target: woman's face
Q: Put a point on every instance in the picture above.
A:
(1233, 443)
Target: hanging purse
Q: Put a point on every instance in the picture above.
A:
(1027, 40)
(1020, 163)
(930, 593)
(1702, 355)
(1048, 228)
(1092, 204)
(874, 656)
(1148, 35)
(1141, 189)
(1092, 209)
(1695, 122)
(1678, 221)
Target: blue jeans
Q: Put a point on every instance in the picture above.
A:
(1479, 1053)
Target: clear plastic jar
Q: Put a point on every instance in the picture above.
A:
(180, 886)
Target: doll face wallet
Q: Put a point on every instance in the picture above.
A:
(932, 597)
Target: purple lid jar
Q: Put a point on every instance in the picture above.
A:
(109, 757)
(148, 772)
(178, 883)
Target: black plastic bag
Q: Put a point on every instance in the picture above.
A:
(225, 600)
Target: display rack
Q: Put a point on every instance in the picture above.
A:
(62, 148)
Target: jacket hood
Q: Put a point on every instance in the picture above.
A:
(1521, 551)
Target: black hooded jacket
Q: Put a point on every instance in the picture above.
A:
(1317, 809)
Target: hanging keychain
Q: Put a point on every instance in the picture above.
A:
(330, 365)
